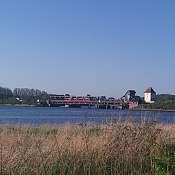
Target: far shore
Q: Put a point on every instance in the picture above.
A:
(19, 105)
(156, 110)
(135, 109)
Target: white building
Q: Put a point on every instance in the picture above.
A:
(150, 95)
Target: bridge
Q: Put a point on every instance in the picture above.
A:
(61, 100)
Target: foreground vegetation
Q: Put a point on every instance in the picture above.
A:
(120, 148)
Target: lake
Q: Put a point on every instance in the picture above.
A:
(46, 115)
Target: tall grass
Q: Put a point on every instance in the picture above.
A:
(120, 148)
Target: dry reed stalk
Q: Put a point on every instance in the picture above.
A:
(113, 148)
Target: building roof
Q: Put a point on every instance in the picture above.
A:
(131, 91)
(135, 99)
(149, 90)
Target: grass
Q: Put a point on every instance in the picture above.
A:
(117, 148)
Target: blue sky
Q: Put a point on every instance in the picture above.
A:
(88, 46)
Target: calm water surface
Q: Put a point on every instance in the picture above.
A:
(44, 115)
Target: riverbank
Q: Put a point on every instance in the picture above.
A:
(112, 148)
(18, 105)
(150, 109)
(134, 109)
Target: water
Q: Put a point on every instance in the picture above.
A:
(44, 115)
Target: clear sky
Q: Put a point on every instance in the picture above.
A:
(101, 47)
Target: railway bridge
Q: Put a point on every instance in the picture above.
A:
(61, 100)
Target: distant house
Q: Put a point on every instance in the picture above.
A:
(131, 99)
(129, 96)
(149, 95)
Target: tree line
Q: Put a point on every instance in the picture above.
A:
(21, 92)
(163, 101)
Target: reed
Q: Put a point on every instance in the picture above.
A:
(115, 148)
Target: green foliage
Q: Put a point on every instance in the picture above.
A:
(26, 100)
(8, 100)
(27, 96)
(164, 101)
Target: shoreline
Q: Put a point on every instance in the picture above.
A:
(136, 109)
(154, 110)
(18, 105)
